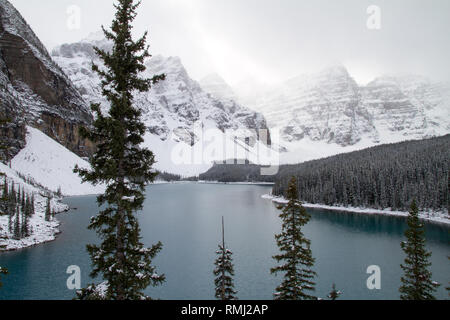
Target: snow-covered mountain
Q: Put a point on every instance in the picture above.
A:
(330, 108)
(215, 85)
(34, 90)
(410, 107)
(177, 111)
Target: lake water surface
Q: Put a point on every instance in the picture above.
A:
(186, 218)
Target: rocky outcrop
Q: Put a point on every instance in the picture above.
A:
(34, 90)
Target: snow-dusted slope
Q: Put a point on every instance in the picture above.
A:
(329, 108)
(51, 165)
(42, 231)
(178, 113)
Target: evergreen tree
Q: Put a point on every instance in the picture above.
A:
(224, 271)
(48, 210)
(120, 163)
(11, 208)
(25, 228)
(4, 203)
(4, 198)
(2, 271)
(296, 252)
(17, 226)
(334, 294)
(59, 192)
(416, 282)
(32, 211)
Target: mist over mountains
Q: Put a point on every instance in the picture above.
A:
(330, 107)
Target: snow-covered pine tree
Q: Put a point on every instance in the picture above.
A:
(224, 271)
(17, 226)
(416, 282)
(4, 198)
(296, 251)
(48, 210)
(12, 200)
(3, 147)
(25, 227)
(121, 164)
(32, 211)
(334, 294)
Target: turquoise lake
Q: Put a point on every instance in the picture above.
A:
(186, 218)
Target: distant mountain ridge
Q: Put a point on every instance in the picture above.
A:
(171, 109)
(330, 106)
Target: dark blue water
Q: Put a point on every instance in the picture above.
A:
(187, 217)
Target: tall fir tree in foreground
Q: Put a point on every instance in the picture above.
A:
(416, 281)
(296, 256)
(224, 271)
(121, 164)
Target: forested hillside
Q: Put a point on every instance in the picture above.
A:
(236, 173)
(388, 176)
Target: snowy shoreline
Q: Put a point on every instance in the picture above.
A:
(42, 230)
(440, 218)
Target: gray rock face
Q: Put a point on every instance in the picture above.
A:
(34, 90)
(411, 105)
(330, 106)
(172, 107)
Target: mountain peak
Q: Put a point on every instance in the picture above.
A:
(95, 36)
(39, 93)
(337, 69)
(12, 22)
(213, 78)
(215, 85)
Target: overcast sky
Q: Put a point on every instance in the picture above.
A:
(271, 40)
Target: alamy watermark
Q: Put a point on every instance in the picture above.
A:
(374, 19)
(374, 281)
(73, 17)
(74, 280)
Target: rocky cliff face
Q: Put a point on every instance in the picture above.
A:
(411, 106)
(331, 107)
(34, 90)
